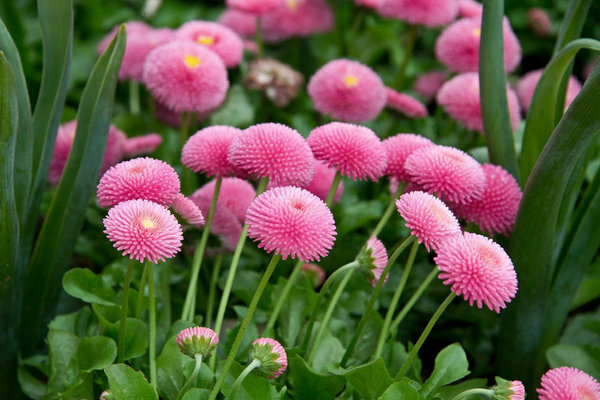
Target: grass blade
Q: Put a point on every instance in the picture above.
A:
(57, 237)
(572, 24)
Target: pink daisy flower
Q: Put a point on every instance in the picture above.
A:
(275, 151)
(292, 222)
(143, 230)
(497, 209)
(315, 274)
(217, 37)
(142, 144)
(186, 76)
(322, 180)
(140, 178)
(429, 219)
(225, 224)
(398, 148)
(448, 171)
(372, 260)
(235, 194)
(354, 150)
(298, 18)
(197, 340)
(539, 22)
(431, 13)
(469, 8)
(272, 357)
(242, 23)
(405, 104)
(518, 391)
(527, 84)
(255, 7)
(347, 90)
(188, 210)
(460, 99)
(207, 150)
(508, 390)
(478, 269)
(566, 383)
(428, 84)
(458, 46)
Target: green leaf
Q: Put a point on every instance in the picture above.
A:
(310, 385)
(62, 346)
(369, 380)
(31, 386)
(590, 287)
(573, 22)
(82, 389)
(126, 383)
(450, 365)
(492, 82)
(96, 352)
(450, 392)
(329, 353)
(254, 387)
(235, 111)
(196, 394)
(294, 311)
(402, 390)
(89, 287)
(584, 358)
(63, 222)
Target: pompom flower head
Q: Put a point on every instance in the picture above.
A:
(294, 18)
(255, 7)
(140, 178)
(429, 219)
(405, 104)
(508, 390)
(527, 84)
(219, 38)
(207, 150)
(225, 224)
(428, 84)
(186, 76)
(242, 23)
(197, 341)
(469, 8)
(398, 148)
(478, 269)
(355, 151)
(448, 171)
(188, 210)
(347, 90)
(272, 357)
(274, 151)
(566, 383)
(372, 260)
(236, 194)
(143, 230)
(430, 13)
(292, 222)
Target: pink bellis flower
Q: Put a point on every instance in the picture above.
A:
(372, 260)
(297, 18)
(207, 151)
(405, 104)
(527, 84)
(188, 210)
(197, 340)
(236, 194)
(271, 355)
(430, 13)
(566, 383)
(398, 148)
(217, 37)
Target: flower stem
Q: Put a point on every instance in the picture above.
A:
(258, 38)
(152, 310)
(245, 322)
(413, 33)
(283, 297)
(426, 331)
(363, 320)
(325, 322)
(189, 306)
(213, 288)
(124, 306)
(333, 188)
(134, 97)
(388, 211)
(140, 299)
(392, 308)
(472, 392)
(238, 382)
(192, 377)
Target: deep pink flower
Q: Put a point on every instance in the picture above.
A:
(140, 178)
(292, 222)
(527, 84)
(144, 230)
(448, 171)
(354, 150)
(478, 269)
(139, 145)
(458, 46)
(186, 76)
(235, 194)
(347, 90)
(207, 150)
(275, 151)
(242, 23)
(255, 7)
(188, 210)
(539, 22)
(460, 99)
(566, 383)
(469, 8)
(297, 18)
(429, 219)
(314, 273)
(265, 350)
(398, 148)
(405, 104)
(217, 37)
(428, 84)
(197, 340)
(225, 224)
(372, 260)
(430, 13)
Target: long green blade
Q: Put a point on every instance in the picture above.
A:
(57, 237)
(572, 24)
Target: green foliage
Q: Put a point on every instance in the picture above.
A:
(254, 387)
(89, 287)
(308, 384)
(369, 380)
(402, 390)
(126, 383)
(450, 365)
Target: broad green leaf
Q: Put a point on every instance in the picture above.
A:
(310, 385)
(96, 352)
(235, 111)
(329, 353)
(450, 365)
(492, 83)
(82, 389)
(126, 383)
(402, 390)
(369, 380)
(62, 346)
(196, 394)
(77, 322)
(136, 338)
(590, 287)
(584, 358)
(89, 287)
(63, 222)
(254, 387)
(32, 387)
(450, 392)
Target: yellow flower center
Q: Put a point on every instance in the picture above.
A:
(351, 80)
(148, 223)
(192, 61)
(477, 32)
(292, 4)
(205, 40)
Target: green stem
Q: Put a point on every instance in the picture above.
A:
(134, 97)
(251, 367)
(245, 322)
(426, 331)
(325, 322)
(317, 305)
(189, 306)
(473, 392)
(413, 33)
(416, 296)
(388, 211)
(282, 298)
(214, 277)
(258, 38)
(333, 188)
(152, 311)
(124, 306)
(192, 377)
(140, 299)
(392, 308)
(363, 320)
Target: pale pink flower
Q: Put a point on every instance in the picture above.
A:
(431, 13)
(144, 144)
(398, 148)
(566, 383)
(428, 84)
(528, 83)
(217, 37)
(235, 194)
(293, 18)
(197, 340)
(405, 104)
(539, 22)
(188, 210)
(244, 24)
(255, 7)
(225, 224)
(469, 8)
(272, 356)
(207, 150)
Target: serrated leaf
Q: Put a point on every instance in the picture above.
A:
(450, 365)
(89, 287)
(369, 380)
(126, 383)
(308, 384)
(96, 352)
